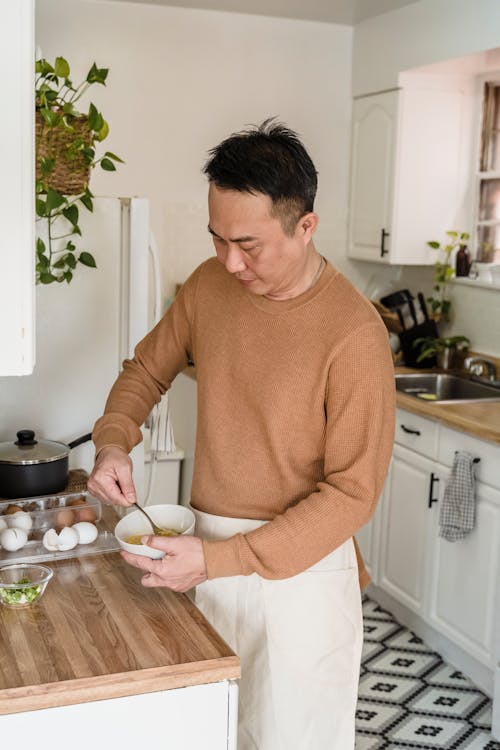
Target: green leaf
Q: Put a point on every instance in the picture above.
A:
(47, 278)
(47, 165)
(95, 119)
(434, 244)
(43, 263)
(114, 157)
(108, 165)
(452, 234)
(70, 246)
(50, 117)
(87, 259)
(68, 276)
(97, 75)
(54, 199)
(61, 67)
(71, 214)
(40, 246)
(61, 263)
(70, 260)
(41, 207)
(87, 201)
(465, 236)
(43, 67)
(103, 132)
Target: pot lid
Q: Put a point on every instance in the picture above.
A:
(27, 450)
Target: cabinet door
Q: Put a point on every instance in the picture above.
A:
(17, 216)
(406, 525)
(368, 538)
(465, 576)
(372, 175)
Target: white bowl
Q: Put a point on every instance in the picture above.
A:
(175, 517)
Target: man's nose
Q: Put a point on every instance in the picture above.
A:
(235, 261)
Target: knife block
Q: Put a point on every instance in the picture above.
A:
(410, 352)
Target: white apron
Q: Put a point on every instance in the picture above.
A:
(299, 641)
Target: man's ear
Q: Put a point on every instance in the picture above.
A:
(306, 226)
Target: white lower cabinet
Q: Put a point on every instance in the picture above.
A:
(406, 543)
(465, 578)
(449, 589)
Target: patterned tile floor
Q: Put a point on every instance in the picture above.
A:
(410, 698)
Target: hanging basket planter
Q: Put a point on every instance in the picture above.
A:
(71, 174)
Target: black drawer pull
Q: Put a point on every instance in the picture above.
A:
(431, 490)
(383, 250)
(410, 431)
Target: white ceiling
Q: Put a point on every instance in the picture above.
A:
(333, 11)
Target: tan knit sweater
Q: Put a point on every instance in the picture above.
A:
(295, 413)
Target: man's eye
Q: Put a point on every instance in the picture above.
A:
(248, 249)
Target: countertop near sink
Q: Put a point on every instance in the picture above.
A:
(97, 634)
(479, 418)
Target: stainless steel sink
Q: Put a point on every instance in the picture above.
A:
(442, 388)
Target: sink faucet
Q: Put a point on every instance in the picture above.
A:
(481, 367)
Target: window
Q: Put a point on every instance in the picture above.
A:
(488, 212)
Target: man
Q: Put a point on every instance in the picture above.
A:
(295, 432)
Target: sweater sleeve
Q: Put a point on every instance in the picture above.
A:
(360, 412)
(157, 359)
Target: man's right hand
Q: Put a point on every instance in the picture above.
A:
(111, 479)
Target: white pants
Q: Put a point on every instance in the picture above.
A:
(299, 641)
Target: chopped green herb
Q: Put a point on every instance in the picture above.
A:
(20, 596)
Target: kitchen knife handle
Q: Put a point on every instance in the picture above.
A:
(383, 235)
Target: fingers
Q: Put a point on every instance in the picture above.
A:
(111, 479)
(143, 563)
(124, 476)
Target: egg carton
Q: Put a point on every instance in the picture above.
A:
(56, 512)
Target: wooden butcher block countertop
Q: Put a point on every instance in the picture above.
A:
(97, 633)
(481, 418)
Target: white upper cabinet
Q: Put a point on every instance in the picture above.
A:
(372, 175)
(407, 172)
(17, 217)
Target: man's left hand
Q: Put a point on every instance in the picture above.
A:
(182, 568)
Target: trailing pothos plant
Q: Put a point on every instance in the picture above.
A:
(65, 142)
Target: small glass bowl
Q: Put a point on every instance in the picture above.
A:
(15, 591)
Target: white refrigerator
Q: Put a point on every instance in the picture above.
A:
(85, 329)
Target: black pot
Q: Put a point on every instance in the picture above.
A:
(30, 467)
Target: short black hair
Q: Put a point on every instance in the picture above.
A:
(268, 159)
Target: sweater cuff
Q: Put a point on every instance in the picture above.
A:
(222, 558)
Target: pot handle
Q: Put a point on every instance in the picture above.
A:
(80, 440)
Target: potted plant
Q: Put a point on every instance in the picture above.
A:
(66, 142)
(443, 349)
(440, 304)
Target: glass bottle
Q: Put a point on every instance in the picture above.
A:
(462, 261)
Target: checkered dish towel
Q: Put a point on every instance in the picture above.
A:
(457, 515)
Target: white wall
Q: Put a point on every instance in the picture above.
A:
(181, 80)
(419, 34)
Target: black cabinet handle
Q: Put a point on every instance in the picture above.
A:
(431, 490)
(410, 431)
(383, 250)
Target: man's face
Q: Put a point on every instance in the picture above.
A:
(252, 245)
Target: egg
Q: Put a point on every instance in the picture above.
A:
(65, 540)
(86, 531)
(20, 520)
(64, 517)
(13, 539)
(82, 510)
